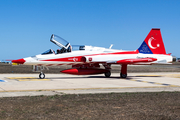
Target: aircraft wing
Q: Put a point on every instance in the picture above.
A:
(133, 61)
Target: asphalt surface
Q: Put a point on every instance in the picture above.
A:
(12, 85)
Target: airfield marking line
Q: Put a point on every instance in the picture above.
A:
(173, 85)
(173, 75)
(20, 77)
(145, 81)
(152, 82)
(169, 75)
(33, 80)
(53, 90)
(27, 79)
(149, 75)
(3, 81)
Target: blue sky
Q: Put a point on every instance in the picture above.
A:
(26, 25)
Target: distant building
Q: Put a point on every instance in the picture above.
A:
(178, 59)
(3, 61)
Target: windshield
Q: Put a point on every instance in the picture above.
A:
(50, 51)
(78, 47)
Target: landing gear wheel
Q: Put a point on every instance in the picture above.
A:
(107, 74)
(41, 75)
(123, 75)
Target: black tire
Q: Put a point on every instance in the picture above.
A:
(123, 75)
(41, 75)
(107, 74)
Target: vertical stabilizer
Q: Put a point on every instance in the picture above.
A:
(153, 43)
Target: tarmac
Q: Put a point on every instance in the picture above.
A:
(13, 85)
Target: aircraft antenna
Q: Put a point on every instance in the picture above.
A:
(111, 46)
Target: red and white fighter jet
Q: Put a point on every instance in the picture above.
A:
(86, 60)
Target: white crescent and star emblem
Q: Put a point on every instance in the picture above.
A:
(150, 45)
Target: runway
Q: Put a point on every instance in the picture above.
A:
(30, 85)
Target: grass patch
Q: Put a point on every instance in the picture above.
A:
(136, 106)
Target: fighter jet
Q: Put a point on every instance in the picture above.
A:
(86, 60)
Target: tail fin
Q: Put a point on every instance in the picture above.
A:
(153, 43)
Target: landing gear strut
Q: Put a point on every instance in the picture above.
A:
(41, 75)
(123, 73)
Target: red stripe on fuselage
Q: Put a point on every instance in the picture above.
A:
(81, 58)
(68, 59)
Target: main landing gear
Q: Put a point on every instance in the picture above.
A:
(107, 74)
(123, 73)
(107, 67)
(41, 75)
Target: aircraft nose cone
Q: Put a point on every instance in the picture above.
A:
(19, 61)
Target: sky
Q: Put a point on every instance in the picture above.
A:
(27, 25)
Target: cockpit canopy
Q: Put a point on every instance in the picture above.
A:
(59, 41)
(63, 44)
(62, 50)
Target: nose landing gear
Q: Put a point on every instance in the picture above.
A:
(39, 69)
(41, 75)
